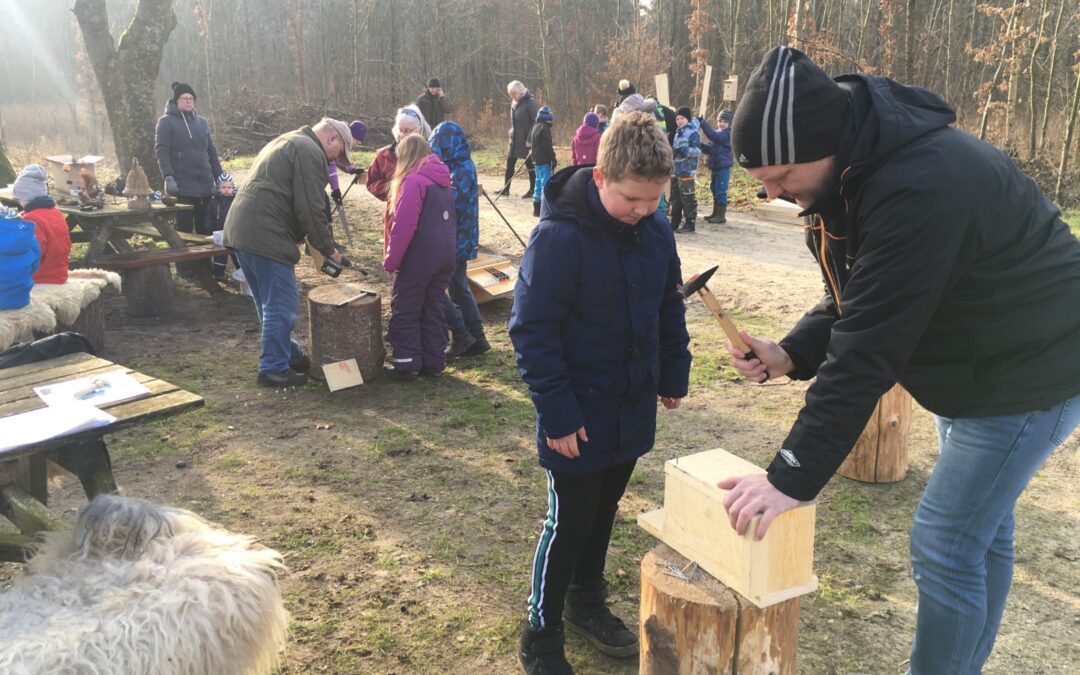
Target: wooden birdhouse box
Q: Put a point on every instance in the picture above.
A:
(694, 523)
(137, 188)
(71, 176)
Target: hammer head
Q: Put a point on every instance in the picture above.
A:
(696, 282)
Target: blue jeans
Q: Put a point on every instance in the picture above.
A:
(461, 310)
(962, 537)
(277, 302)
(543, 173)
(719, 185)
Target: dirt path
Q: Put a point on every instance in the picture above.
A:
(407, 512)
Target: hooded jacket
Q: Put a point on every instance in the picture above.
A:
(186, 151)
(435, 109)
(946, 270)
(585, 145)
(687, 149)
(598, 325)
(452, 146)
(543, 148)
(719, 149)
(406, 223)
(54, 240)
(282, 201)
(19, 257)
(522, 116)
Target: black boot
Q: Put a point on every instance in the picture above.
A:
(463, 341)
(479, 347)
(536, 209)
(541, 651)
(709, 218)
(721, 214)
(688, 228)
(588, 615)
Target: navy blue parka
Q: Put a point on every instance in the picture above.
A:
(598, 325)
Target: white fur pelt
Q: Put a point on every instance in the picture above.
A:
(71, 298)
(138, 589)
(20, 324)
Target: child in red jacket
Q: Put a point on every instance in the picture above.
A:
(50, 227)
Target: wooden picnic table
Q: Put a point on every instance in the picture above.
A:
(112, 226)
(83, 453)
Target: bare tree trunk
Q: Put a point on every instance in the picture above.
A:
(126, 72)
(1063, 165)
(541, 23)
(1050, 76)
(7, 172)
(909, 54)
(948, 52)
(1032, 109)
(997, 73)
(735, 38)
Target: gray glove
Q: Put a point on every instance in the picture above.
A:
(170, 186)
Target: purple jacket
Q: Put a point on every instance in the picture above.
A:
(410, 202)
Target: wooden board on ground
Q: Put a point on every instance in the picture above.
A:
(696, 625)
(694, 523)
(342, 375)
(779, 211)
(491, 277)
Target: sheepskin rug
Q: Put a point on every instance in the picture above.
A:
(143, 589)
(69, 299)
(20, 324)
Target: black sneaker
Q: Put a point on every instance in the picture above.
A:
(527, 195)
(284, 378)
(300, 364)
(479, 347)
(403, 375)
(461, 343)
(424, 372)
(587, 615)
(541, 652)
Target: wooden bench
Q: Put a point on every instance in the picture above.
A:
(152, 232)
(148, 285)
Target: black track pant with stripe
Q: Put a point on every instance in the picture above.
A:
(574, 540)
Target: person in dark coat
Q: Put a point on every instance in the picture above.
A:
(419, 253)
(434, 104)
(523, 111)
(599, 331)
(947, 271)
(216, 213)
(449, 142)
(543, 151)
(187, 157)
(719, 151)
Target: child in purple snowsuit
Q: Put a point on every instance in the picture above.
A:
(419, 247)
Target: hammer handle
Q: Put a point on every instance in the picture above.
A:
(725, 323)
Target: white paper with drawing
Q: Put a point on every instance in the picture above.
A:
(97, 390)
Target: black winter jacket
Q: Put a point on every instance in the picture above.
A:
(522, 117)
(186, 151)
(946, 269)
(543, 151)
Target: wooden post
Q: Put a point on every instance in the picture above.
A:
(701, 626)
(881, 453)
(90, 324)
(346, 331)
(148, 290)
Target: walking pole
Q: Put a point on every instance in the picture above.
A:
(524, 164)
(484, 192)
(339, 208)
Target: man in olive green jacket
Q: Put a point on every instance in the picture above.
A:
(280, 203)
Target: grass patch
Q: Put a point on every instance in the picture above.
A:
(856, 508)
(232, 460)
(1072, 217)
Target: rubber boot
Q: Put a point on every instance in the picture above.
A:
(676, 217)
(587, 614)
(710, 218)
(463, 341)
(721, 214)
(536, 209)
(688, 228)
(542, 651)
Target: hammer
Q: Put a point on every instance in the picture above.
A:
(696, 284)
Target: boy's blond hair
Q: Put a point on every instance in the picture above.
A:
(634, 146)
(600, 109)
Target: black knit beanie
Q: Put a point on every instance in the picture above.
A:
(790, 113)
(626, 89)
(684, 111)
(181, 88)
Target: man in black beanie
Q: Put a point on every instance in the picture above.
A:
(947, 271)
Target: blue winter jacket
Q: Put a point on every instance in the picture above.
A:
(20, 255)
(598, 325)
(450, 144)
(687, 149)
(186, 151)
(719, 150)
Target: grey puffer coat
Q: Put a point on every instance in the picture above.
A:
(186, 151)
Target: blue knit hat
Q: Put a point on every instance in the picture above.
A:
(544, 114)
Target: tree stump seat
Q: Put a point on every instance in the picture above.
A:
(148, 285)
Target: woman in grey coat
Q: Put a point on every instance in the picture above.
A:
(187, 158)
(522, 115)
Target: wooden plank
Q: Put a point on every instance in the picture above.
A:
(18, 385)
(28, 403)
(151, 231)
(160, 256)
(33, 477)
(779, 211)
(27, 391)
(14, 547)
(28, 514)
(694, 522)
(15, 371)
(661, 80)
(90, 462)
(704, 110)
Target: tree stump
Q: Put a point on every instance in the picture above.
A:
(881, 453)
(701, 626)
(148, 290)
(352, 330)
(90, 324)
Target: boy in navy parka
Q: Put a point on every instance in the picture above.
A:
(720, 161)
(599, 330)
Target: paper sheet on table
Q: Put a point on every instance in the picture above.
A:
(97, 390)
(49, 422)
